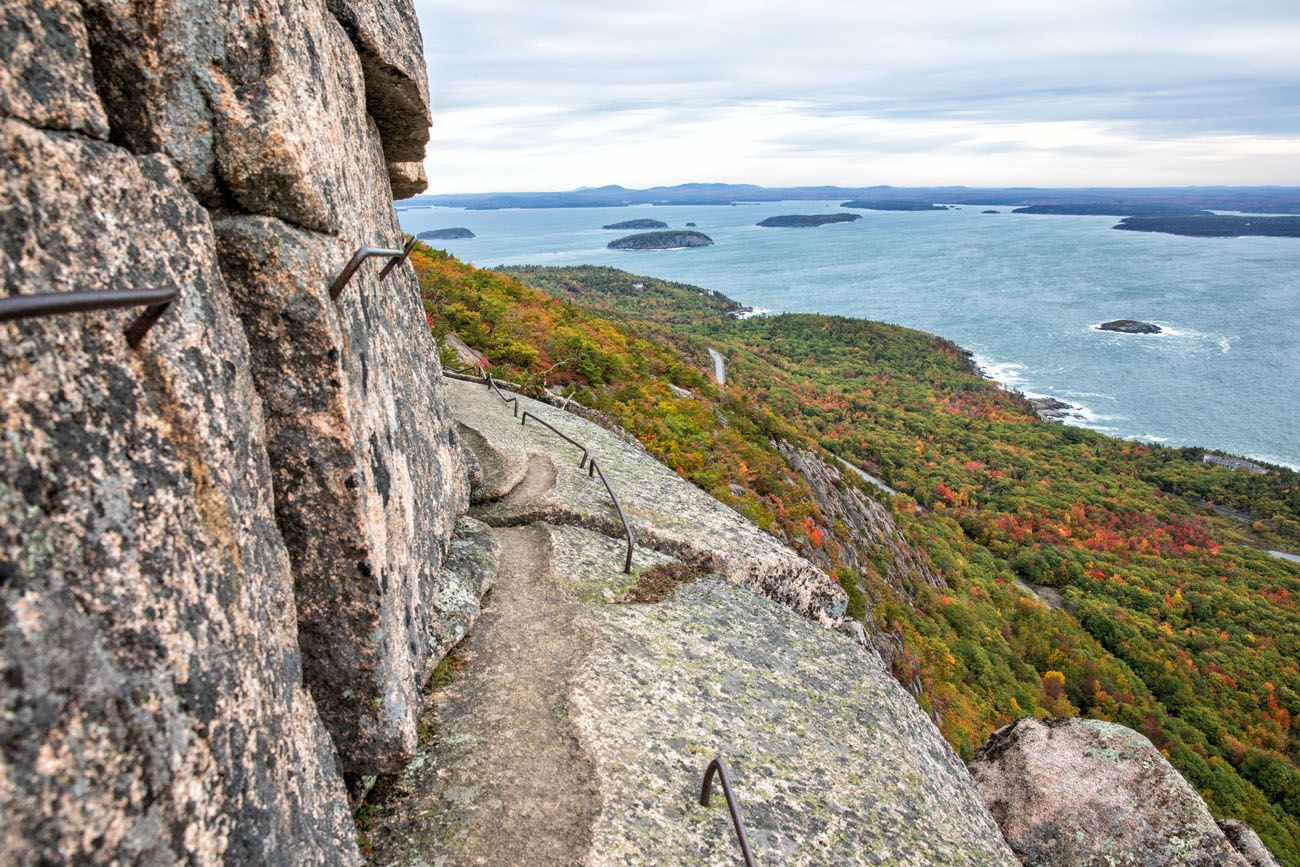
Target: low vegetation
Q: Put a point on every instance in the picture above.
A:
(1173, 620)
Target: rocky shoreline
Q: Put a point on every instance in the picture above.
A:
(1048, 408)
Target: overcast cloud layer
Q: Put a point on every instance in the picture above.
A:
(555, 94)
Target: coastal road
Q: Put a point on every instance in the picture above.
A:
(1282, 555)
(719, 366)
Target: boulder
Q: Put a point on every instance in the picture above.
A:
(1247, 842)
(1078, 791)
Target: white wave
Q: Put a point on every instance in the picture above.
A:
(1274, 459)
(753, 311)
(1150, 438)
(1089, 394)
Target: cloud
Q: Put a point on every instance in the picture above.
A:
(573, 92)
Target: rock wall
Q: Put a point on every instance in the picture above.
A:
(259, 496)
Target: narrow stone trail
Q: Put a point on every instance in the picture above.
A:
(538, 481)
(506, 781)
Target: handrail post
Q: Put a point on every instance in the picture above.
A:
(406, 254)
(361, 255)
(716, 766)
(17, 307)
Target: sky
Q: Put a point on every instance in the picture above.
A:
(558, 94)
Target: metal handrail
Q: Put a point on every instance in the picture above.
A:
(406, 254)
(56, 303)
(587, 461)
(582, 464)
(627, 528)
(492, 384)
(361, 255)
(717, 766)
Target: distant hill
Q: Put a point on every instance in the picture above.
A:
(1259, 200)
(1113, 209)
(807, 221)
(892, 205)
(1215, 226)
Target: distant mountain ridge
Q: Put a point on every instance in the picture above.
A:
(1268, 199)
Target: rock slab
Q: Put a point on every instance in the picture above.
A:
(1077, 791)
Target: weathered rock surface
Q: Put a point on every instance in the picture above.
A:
(1076, 791)
(1248, 844)
(285, 120)
(153, 709)
(869, 538)
(667, 513)
(576, 731)
(869, 529)
(832, 762)
(46, 77)
(368, 482)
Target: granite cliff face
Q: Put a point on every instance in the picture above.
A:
(261, 493)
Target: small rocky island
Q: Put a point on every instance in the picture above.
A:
(892, 205)
(661, 241)
(457, 234)
(637, 224)
(1129, 326)
(807, 221)
(990, 212)
(1206, 225)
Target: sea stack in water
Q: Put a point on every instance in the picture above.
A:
(1129, 326)
(661, 241)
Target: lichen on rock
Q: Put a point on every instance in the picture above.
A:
(1079, 791)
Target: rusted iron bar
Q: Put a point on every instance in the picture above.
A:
(361, 255)
(582, 464)
(406, 254)
(717, 766)
(513, 401)
(627, 528)
(57, 303)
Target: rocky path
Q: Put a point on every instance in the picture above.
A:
(573, 728)
(507, 781)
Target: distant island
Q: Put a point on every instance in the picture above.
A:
(1129, 326)
(637, 224)
(1255, 200)
(661, 241)
(1215, 226)
(990, 212)
(445, 234)
(893, 205)
(807, 221)
(1113, 209)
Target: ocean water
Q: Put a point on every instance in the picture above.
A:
(1024, 293)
